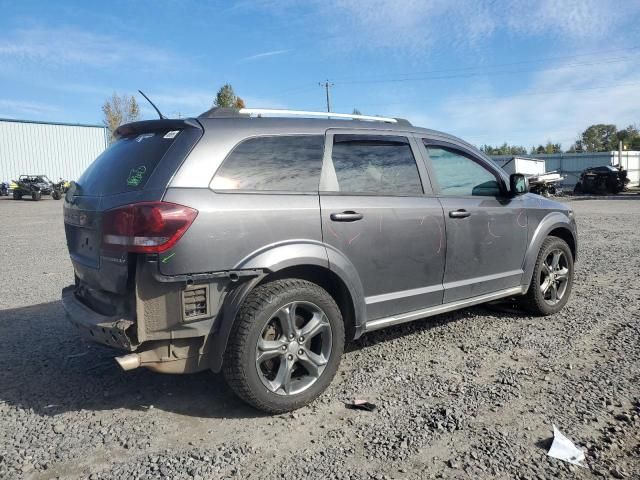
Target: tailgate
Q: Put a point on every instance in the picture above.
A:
(135, 168)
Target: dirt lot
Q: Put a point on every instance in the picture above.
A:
(471, 394)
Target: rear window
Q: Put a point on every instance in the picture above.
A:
(286, 163)
(375, 164)
(127, 164)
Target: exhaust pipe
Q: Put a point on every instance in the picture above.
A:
(129, 362)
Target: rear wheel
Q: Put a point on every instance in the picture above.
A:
(552, 279)
(56, 195)
(35, 196)
(285, 346)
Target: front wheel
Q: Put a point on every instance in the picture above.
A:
(35, 196)
(552, 279)
(17, 195)
(56, 195)
(285, 346)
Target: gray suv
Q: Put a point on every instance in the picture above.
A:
(258, 245)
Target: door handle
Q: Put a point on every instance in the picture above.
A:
(348, 216)
(460, 213)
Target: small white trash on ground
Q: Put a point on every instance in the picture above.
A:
(564, 449)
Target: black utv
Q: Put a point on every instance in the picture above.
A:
(35, 186)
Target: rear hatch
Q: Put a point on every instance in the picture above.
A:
(137, 167)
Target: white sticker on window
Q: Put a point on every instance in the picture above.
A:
(143, 136)
(171, 134)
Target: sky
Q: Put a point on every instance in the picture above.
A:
(489, 71)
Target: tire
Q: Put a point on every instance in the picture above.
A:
(17, 195)
(35, 196)
(259, 320)
(56, 195)
(539, 300)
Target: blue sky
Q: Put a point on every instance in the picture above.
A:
(487, 70)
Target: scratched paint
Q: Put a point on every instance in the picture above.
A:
(490, 232)
(518, 219)
(168, 257)
(354, 238)
(333, 232)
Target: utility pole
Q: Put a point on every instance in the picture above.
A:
(327, 85)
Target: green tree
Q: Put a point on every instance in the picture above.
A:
(598, 138)
(629, 136)
(118, 110)
(504, 149)
(227, 98)
(551, 147)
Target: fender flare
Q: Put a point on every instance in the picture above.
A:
(273, 258)
(549, 223)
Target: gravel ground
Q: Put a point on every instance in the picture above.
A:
(472, 394)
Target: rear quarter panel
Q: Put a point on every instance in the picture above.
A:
(232, 227)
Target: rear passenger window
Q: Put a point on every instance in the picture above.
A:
(277, 163)
(375, 164)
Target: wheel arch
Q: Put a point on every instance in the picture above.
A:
(554, 224)
(307, 260)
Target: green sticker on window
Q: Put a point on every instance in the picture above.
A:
(135, 176)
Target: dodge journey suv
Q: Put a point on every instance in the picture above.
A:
(258, 245)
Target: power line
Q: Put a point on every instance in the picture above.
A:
(498, 97)
(499, 65)
(348, 80)
(490, 73)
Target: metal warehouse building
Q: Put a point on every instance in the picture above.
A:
(58, 150)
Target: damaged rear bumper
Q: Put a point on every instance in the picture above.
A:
(113, 331)
(169, 355)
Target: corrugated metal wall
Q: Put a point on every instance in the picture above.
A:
(572, 164)
(53, 149)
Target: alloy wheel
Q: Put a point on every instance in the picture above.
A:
(554, 277)
(293, 348)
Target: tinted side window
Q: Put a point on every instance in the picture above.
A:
(277, 163)
(459, 175)
(375, 164)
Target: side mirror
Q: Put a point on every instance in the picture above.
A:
(518, 184)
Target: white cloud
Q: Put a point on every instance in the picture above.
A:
(11, 108)
(70, 46)
(259, 56)
(556, 106)
(417, 25)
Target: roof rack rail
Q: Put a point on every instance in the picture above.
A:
(303, 113)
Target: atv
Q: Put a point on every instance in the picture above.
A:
(35, 186)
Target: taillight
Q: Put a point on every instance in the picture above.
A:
(146, 227)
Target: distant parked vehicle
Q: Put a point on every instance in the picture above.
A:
(35, 186)
(62, 185)
(4, 189)
(600, 180)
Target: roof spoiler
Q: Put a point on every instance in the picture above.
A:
(146, 126)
